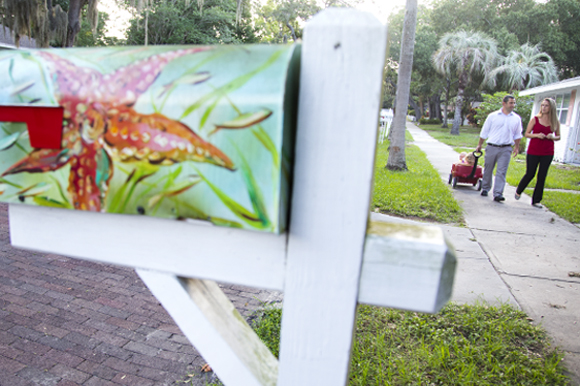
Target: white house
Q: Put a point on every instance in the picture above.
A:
(567, 97)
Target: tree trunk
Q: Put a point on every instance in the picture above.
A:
(435, 106)
(291, 30)
(147, 23)
(397, 159)
(416, 107)
(462, 84)
(50, 14)
(74, 20)
(444, 124)
(457, 116)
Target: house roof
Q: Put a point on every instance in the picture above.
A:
(7, 40)
(566, 83)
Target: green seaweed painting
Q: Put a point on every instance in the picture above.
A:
(175, 132)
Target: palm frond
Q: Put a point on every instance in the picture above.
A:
(527, 67)
(461, 51)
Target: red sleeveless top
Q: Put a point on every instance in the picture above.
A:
(541, 146)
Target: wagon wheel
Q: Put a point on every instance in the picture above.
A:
(478, 185)
(450, 178)
(454, 182)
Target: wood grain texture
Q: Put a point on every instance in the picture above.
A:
(341, 75)
(216, 329)
(188, 249)
(408, 267)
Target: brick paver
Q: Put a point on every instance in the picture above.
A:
(67, 321)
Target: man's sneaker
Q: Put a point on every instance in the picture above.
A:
(499, 198)
(484, 193)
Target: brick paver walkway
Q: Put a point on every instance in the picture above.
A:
(72, 322)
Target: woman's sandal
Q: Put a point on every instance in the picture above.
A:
(536, 205)
(518, 196)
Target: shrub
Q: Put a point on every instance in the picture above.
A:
(493, 103)
(471, 118)
(522, 146)
(427, 121)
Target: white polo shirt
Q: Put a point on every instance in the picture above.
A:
(501, 129)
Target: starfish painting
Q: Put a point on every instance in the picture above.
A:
(100, 126)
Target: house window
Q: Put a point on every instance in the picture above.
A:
(562, 106)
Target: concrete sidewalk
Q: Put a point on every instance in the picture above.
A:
(513, 252)
(71, 322)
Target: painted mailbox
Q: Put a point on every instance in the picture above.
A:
(168, 131)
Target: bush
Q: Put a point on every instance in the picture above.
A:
(493, 103)
(427, 121)
(471, 118)
(522, 147)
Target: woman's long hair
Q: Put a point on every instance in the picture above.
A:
(552, 115)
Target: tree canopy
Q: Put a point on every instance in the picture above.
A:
(188, 22)
(525, 67)
(514, 25)
(463, 54)
(279, 21)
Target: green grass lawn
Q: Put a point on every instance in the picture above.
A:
(560, 176)
(465, 141)
(417, 193)
(565, 205)
(461, 345)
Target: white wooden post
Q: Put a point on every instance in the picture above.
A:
(342, 64)
(332, 257)
(209, 319)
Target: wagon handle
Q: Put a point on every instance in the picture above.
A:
(475, 163)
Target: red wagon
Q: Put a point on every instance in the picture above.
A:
(467, 174)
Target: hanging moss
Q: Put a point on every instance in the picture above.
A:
(40, 20)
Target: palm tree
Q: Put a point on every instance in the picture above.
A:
(397, 159)
(525, 68)
(464, 53)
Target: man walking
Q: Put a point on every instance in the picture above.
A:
(502, 130)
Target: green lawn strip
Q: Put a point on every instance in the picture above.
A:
(419, 192)
(461, 345)
(560, 176)
(565, 205)
(467, 138)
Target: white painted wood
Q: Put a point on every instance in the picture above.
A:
(407, 267)
(54, 231)
(325, 265)
(343, 56)
(216, 329)
(394, 273)
(191, 250)
(386, 121)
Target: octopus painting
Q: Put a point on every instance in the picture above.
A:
(103, 129)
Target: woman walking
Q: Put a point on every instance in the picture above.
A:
(542, 130)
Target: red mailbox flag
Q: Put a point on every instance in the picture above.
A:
(44, 123)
